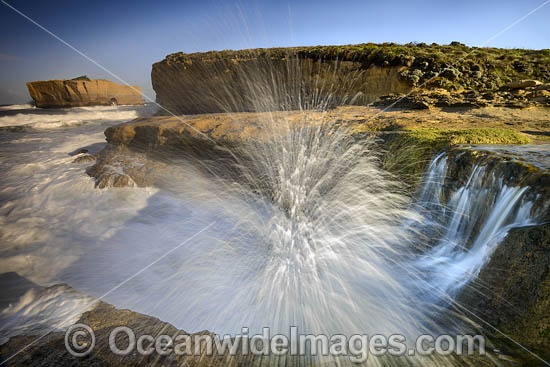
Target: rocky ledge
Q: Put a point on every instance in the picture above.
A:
(82, 91)
(48, 346)
(134, 147)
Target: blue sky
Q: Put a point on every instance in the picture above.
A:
(128, 36)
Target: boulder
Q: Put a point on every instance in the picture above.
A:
(82, 92)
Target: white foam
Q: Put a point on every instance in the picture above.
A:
(73, 116)
(17, 107)
(37, 312)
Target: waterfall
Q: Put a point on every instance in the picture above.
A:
(469, 226)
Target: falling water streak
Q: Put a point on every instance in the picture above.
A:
(484, 201)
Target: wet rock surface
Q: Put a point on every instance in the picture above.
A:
(49, 348)
(119, 166)
(512, 292)
(517, 170)
(84, 158)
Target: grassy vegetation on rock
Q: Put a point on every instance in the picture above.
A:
(452, 67)
(410, 151)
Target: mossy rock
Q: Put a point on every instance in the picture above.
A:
(411, 150)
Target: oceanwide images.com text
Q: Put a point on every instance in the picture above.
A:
(80, 341)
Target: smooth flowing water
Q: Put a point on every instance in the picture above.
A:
(315, 234)
(472, 223)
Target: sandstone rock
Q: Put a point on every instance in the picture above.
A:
(81, 92)
(114, 179)
(519, 92)
(138, 149)
(541, 96)
(489, 96)
(118, 166)
(522, 84)
(84, 158)
(268, 80)
(422, 99)
(257, 80)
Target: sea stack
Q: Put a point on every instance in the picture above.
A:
(82, 91)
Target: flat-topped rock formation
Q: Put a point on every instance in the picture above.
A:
(312, 77)
(82, 92)
(267, 80)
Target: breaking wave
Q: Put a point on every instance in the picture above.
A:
(54, 118)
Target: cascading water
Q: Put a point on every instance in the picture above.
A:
(470, 225)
